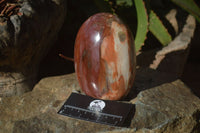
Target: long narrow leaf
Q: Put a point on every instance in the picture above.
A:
(158, 29)
(142, 24)
(190, 6)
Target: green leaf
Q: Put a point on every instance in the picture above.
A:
(142, 24)
(190, 6)
(158, 29)
(124, 2)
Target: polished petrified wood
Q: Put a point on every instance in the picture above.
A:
(105, 57)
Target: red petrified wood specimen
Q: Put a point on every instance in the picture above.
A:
(105, 57)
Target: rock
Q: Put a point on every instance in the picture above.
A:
(41, 106)
(25, 38)
(52, 122)
(170, 107)
(48, 93)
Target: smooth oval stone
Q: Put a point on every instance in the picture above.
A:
(105, 57)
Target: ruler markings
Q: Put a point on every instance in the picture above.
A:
(77, 108)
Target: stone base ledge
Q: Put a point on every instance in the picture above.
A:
(168, 107)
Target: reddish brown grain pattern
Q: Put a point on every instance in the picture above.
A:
(105, 57)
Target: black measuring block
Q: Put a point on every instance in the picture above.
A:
(107, 112)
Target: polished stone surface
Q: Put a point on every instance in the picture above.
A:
(105, 57)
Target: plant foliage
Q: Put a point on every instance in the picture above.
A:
(147, 18)
(157, 28)
(149, 22)
(190, 6)
(142, 26)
